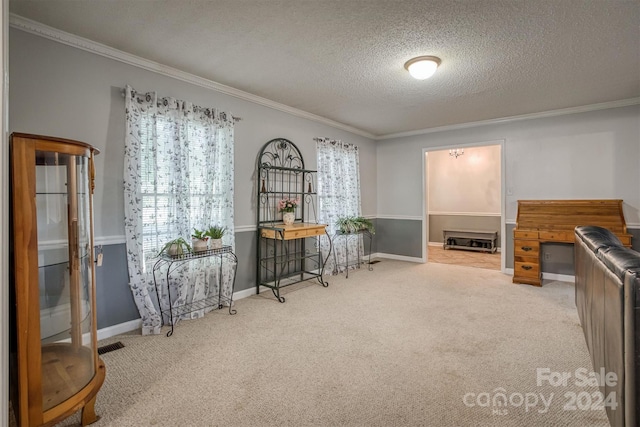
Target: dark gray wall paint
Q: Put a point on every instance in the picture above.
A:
(393, 236)
(399, 237)
(437, 223)
(508, 260)
(246, 245)
(114, 302)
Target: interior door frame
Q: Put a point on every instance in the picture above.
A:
(4, 217)
(425, 198)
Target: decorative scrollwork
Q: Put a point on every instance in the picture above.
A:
(280, 153)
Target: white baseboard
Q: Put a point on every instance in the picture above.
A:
(132, 325)
(548, 276)
(396, 257)
(248, 292)
(559, 277)
(118, 329)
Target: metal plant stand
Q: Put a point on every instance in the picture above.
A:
(174, 261)
(345, 237)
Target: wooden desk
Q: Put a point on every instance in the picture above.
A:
(541, 221)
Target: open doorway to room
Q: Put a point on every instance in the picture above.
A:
(464, 205)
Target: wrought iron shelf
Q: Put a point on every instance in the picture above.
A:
(212, 301)
(172, 261)
(282, 250)
(187, 256)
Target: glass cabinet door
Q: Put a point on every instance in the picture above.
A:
(64, 274)
(55, 367)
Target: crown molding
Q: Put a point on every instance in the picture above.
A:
(551, 113)
(39, 29)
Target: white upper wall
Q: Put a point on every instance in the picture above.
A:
(592, 155)
(62, 91)
(466, 184)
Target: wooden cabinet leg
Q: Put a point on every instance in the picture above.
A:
(88, 412)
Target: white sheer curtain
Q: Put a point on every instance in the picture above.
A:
(338, 196)
(178, 175)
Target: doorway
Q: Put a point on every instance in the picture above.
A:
(464, 191)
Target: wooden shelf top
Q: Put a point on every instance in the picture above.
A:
(297, 230)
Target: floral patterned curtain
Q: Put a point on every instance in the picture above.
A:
(178, 175)
(338, 196)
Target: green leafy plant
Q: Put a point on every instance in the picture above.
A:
(200, 234)
(216, 232)
(353, 224)
(179, 246)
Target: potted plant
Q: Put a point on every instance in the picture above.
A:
(354, 224)
(175, 247)
(199, 240)
(215, 233)
(288, 207)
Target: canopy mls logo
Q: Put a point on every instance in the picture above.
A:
(500, 402)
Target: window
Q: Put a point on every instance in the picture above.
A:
(178, 176)
(338, 195)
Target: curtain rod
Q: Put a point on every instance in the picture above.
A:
(236, 119)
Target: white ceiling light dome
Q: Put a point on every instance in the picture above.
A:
(422, 67)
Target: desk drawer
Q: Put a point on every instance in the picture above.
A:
(525, 234)
(526, 248)
(315, 232)
(526, 269)
(557, 236)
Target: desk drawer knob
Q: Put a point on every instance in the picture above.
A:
(527, 248)
(526, 267)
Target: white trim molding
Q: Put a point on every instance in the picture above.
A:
(245, 229)
(121, 328)
(465, 214)
(396, 257)
(407, 217)
(543, 114)
(136, 324)
(82, 43)
(548, 276)
(4, 214)
(110, 240)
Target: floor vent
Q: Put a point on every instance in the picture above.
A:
(110, 347)
(375, 261)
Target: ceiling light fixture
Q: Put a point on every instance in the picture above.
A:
(422, 67)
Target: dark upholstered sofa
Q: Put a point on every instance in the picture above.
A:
(608, 301)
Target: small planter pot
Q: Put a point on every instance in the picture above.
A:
(216, 243)
(288, 218)
(199, 245)
(173, 249)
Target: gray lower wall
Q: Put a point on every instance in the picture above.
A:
(399, 237)
(114, 302)
(437, 223)
(403, 237)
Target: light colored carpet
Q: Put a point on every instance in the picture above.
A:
(397, 346)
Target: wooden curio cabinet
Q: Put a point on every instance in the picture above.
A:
(54, 365)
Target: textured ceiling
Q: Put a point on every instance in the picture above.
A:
(343, 59)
